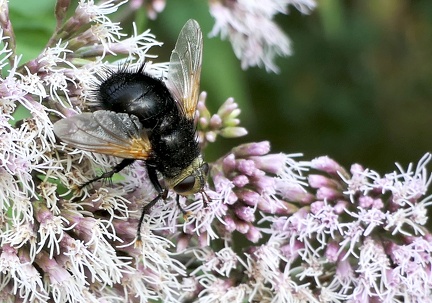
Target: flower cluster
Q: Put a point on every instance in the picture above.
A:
(270, 228)
(224, 122)
(255, 37)
(342, 237)
(347, 245)
(54, 244)
(249, 26)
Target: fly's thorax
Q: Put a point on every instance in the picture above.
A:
(190, 180)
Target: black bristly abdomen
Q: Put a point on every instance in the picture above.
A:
(136, 93)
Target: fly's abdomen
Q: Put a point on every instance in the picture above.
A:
(138, 94)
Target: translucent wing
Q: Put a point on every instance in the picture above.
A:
(185, 68)
(105, 132)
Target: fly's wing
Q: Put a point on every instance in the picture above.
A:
(105, 132)
(185, 68)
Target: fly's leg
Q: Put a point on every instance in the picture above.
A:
(162, 194)
(108, 175)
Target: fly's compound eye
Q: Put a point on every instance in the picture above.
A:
(205, 167)
(186, 185)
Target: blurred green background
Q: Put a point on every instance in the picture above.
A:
(356, 89)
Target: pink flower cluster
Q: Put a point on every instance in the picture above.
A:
(271, 228)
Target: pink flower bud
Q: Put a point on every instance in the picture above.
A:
(252, 149)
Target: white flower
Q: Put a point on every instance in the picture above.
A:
(26, 280)
(222, 261)
(202, 219)
(97, 13)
